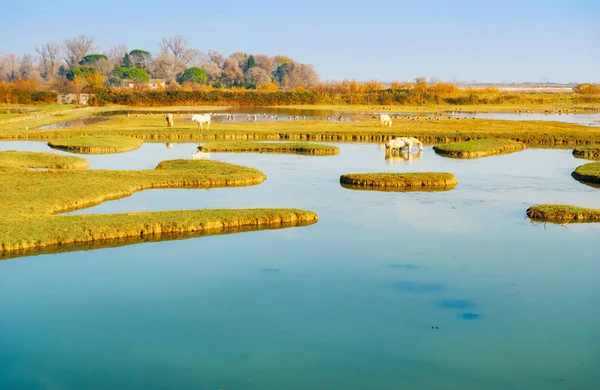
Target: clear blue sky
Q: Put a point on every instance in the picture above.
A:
(487, 41)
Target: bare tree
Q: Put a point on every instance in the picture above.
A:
(162, 68)
(116, 53)
(26, 67)
(301, 75)
(257, 76)
(240, 57)
(176, 46)
(232, 73)
(104, 66)
(77, 48)
(9, 67)
(216, 58)
(49, 53)
(265, 62)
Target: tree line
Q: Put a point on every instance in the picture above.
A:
(194, 77)
(78, 65)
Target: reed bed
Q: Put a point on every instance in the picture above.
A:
(478, 148)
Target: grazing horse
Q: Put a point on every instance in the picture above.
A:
(385, 120)
(169, 118)
(398, 143)
(200, 119)
(416, 142)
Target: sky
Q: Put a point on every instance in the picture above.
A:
(469, 41)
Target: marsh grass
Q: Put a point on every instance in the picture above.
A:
(152, 128)
(35, 160)
(563, 213)
(409, 181)
(588, 173)
(478, 148)
(267, 147)
(28, 200)
(591, 152)
(103, 144)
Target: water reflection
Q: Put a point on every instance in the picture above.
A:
(403, 157)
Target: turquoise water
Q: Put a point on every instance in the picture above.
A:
(347, 303)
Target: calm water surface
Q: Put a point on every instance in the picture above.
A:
(347, 303)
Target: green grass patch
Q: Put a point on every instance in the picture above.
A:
(270, 147)
(588, 173)
(103, 144)
(478, 148)
(588, 152)
(35, 160)
(29, 200)
(563, 213)
(415, 181)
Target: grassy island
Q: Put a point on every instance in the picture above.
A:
(588, 173)
(411, 181)
(34, 160)
(563, 213)
(478, 148)
(104, 144)
(29, 200)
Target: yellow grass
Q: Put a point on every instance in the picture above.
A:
(152, 128)
(563, 213)
(588, 173)
(588, 152)
(400, 181)
(102, 144)
(35, 160)
(478, 148)
(29, 200)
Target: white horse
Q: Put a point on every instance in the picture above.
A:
(385, 120)
(169, 118)
(199, 155)
(200, 119)
(416, 142)
(398, 144)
